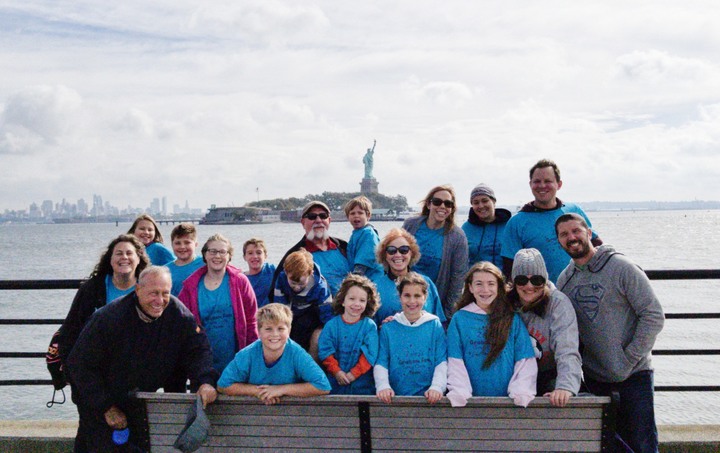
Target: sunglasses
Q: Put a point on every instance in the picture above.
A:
(403, 249)
(438, 202)
(536, 280)
(313, 215)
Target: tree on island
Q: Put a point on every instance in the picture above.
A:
(334, 200)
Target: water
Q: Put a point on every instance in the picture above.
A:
(653, 239)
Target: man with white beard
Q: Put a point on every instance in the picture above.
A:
(329, 253)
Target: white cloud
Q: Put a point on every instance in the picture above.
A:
(136, 100)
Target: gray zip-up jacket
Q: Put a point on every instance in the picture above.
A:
(556, 335)
(618, 314)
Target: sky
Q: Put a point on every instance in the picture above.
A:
(223, 102)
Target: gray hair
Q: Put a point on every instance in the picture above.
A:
(154, 270)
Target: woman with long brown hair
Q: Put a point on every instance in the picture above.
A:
(489, 349)
(443, 245)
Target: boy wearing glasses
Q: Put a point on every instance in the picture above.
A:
(305, 291)
(363, 240)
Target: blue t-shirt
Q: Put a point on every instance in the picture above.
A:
(294, 366)
(431, 250)
(361, 250)
(218, 319)
(466, 341)
(111, 291)
(333, 266)
(537, 230)
(410, 354)
(158, 254)
(345, 342)
(390, 299)
(180, 273)
(484, 242)
(261, 283)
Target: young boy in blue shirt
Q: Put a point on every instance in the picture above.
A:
(363, 240)
(273, 366)
(184, 243)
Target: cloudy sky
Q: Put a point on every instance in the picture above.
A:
(138, 99)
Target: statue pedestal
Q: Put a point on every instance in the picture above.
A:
(369, 185)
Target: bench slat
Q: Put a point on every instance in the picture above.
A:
(276, 442)
(469, 433)
(260, 420)
(479, 423)
(515, 413)
(497, 445)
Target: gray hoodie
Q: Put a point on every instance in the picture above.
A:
(618, 314)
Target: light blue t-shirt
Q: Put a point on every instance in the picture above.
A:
(345, 342)
(261, 283)
(111, 291)
(410, 354)
(218, 319)
(333, 266)
(159, 254)
(294, 366)
(180, 273)
(431, 251)
(537, 230)
(390, 299)
(361, 250)
(466, 341)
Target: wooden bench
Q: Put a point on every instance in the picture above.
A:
(362, 423)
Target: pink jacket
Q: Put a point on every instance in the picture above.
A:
(242, 298)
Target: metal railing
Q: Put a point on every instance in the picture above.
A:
(691, 274)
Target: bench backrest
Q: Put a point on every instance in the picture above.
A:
(362, 423)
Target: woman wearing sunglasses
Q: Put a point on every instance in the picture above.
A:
(443, 244)
(551, 322)
(398, 252)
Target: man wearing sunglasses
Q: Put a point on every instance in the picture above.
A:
(618, 318)
(534, 225)
(329, 253)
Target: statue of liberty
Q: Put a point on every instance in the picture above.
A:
(368, 161)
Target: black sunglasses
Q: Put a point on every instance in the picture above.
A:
(403, 249)
(313, 215)
(438, 202)
(536, 280)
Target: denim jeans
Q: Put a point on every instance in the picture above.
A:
(635, 411)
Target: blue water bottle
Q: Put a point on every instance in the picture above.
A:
(120, 436)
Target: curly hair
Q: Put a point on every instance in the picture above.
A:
(103, 267)
(364, 283)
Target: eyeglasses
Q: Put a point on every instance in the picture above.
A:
(313, 215)
(403, 249)
(217, 252)
(536, 280)
(438, 201)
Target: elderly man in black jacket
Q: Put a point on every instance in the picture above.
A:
(142, 342)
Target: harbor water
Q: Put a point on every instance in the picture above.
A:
(653, 239)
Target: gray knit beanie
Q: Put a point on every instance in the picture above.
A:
(482, 189)
(529, 262)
